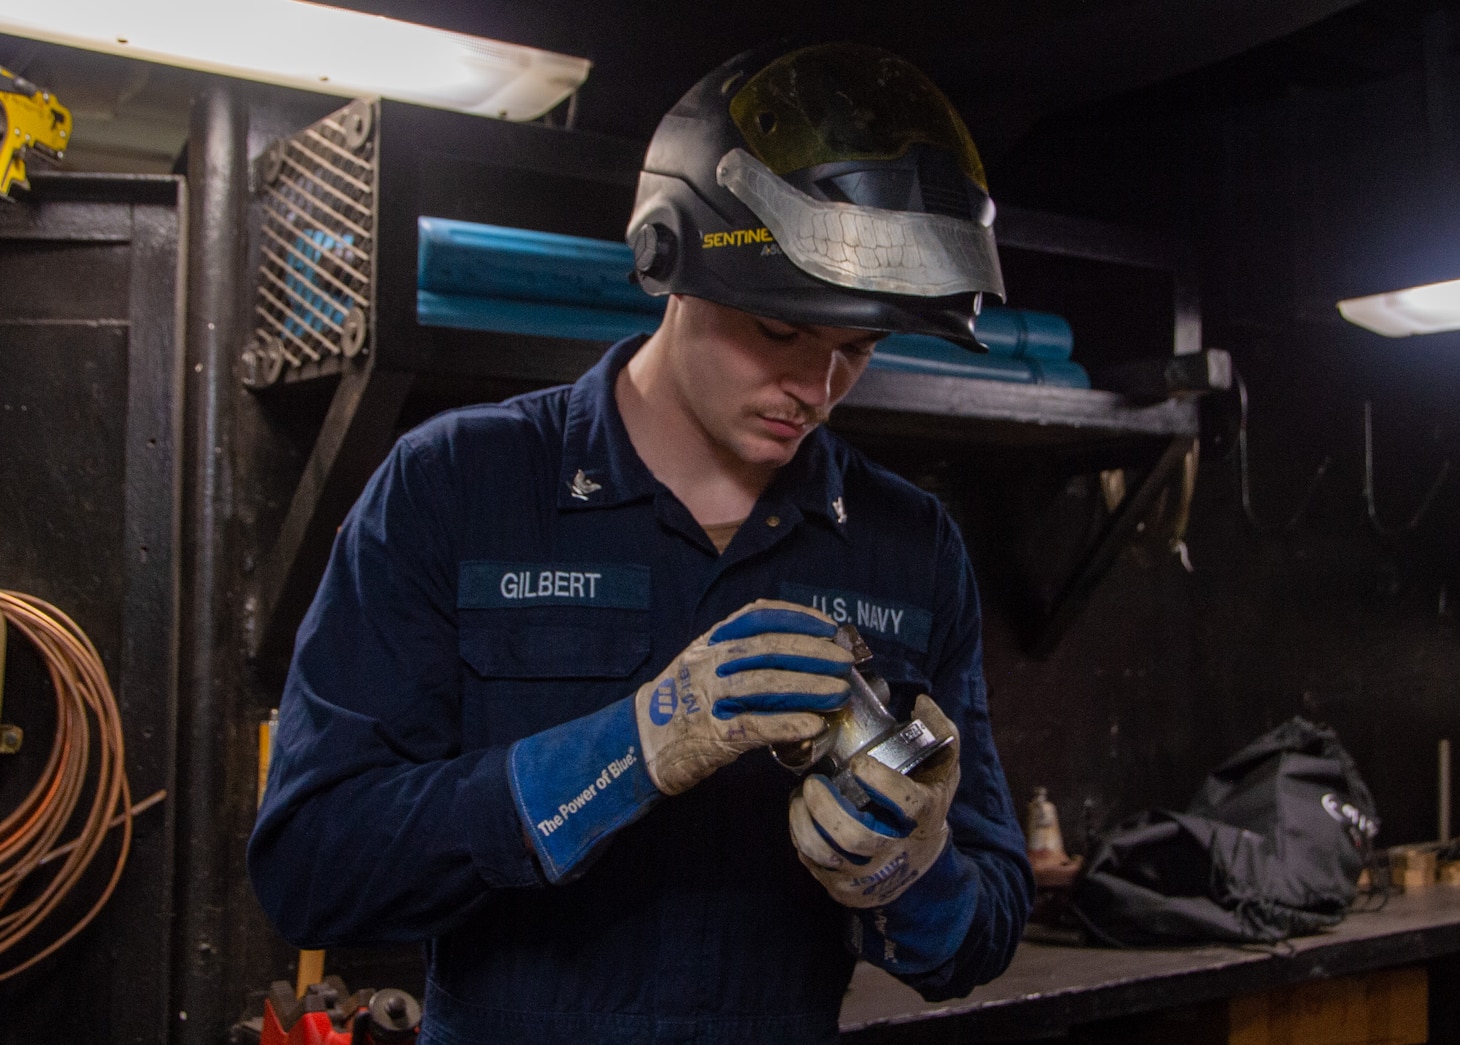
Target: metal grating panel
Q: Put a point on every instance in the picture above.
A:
(317, 190)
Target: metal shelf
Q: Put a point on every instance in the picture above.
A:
(1007, 412)
(532, 176)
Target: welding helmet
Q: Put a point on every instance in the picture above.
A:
(832, 184)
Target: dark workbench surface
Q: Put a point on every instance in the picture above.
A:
(1053, 986)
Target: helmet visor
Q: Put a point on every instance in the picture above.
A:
(866, 248)
(847, 102)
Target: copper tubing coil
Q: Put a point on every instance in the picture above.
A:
(29, 835)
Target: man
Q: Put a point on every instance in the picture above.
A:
(529, 711)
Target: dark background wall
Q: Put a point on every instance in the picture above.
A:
(1311, 169)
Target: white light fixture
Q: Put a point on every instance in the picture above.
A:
(312, 47)
(1428, 309)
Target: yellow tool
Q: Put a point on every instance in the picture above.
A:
(311, 963)
(34, 121)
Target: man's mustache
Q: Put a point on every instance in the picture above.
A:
(810, 416)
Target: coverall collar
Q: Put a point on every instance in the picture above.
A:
(601, 469)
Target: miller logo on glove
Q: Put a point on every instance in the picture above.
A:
(761, 676)
(870, 857)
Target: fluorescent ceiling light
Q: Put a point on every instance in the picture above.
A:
(1429, 309)
(312, 47)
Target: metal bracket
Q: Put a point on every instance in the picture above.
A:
(1132, 509)
(357, 433)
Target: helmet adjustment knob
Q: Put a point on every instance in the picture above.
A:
(653, 251)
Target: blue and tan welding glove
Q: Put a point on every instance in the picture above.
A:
(764, 675)
(869, 857)
(909, 891)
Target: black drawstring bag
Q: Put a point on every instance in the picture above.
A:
(1270, 847)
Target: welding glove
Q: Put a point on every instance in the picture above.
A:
(910, 892)
(759, 677)
(869, 857)
(763, 675)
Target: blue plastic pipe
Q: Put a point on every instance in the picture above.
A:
(489, 277)
(922, 354)
(490, 261)
(545, 319)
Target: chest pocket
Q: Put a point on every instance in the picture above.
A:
(554, 651)
(523, 673)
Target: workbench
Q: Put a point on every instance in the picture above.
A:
(1053, 986)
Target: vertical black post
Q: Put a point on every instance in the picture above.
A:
(210, 660)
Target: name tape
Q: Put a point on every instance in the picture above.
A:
(909, 625)
(485, 585)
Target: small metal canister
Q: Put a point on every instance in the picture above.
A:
(862, 724)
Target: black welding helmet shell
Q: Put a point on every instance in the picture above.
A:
(832, 184)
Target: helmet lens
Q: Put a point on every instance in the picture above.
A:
(847, 102)
(866, 248)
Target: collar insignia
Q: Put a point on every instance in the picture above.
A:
(582, 486)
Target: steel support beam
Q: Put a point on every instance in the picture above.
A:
(209, 663)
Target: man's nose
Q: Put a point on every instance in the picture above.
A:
(811, 379)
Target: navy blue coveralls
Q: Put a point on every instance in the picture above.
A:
(514, 566)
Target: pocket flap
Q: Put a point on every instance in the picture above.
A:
(547, 651)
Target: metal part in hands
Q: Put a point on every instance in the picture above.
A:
(862, 724)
